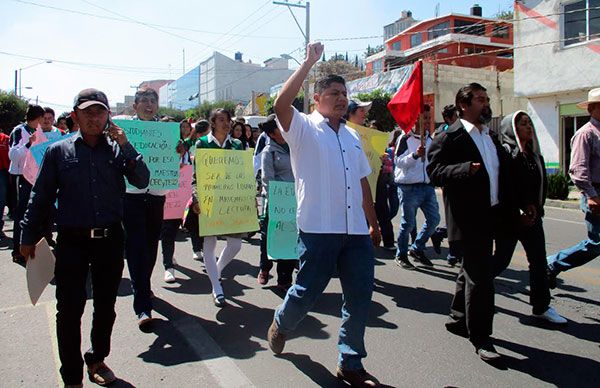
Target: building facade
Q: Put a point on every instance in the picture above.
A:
(406, 20)
(557, 61)
(223, 78)
(454, 39)
(183, 92)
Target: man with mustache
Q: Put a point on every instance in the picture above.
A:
(471, 166)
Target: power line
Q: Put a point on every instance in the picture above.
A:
(119, 19)
(478, 24)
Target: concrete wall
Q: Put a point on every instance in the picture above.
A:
(543, 68)
(445, 82)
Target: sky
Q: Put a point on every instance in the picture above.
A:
(114, 45)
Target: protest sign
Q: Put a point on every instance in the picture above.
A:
(176, 200)
(282, 232)
(30, 166)
(38, 150)
(226, 192)
(156, 142)
(374, 144)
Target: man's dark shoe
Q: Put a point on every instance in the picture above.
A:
(436, 241)
(357, 378)
(457, 327)
(551, 278)
(420, 257)
(488, 353)
(452, 261)
(403, 262)
(101, 374)
(276, 338)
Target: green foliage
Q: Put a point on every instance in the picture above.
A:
(177, 114)
(505, 15)
(558, 186)
(203, 110)
(379, 110)
(298, 103)
(12, 111)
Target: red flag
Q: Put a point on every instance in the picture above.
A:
(407, 104)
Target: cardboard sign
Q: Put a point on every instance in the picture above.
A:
(226, 192)
(156, 142)
(176, 200)
(374, 144)
(282, 231)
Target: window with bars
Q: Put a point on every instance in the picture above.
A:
(581, 21)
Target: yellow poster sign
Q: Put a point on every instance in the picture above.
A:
(226, 192)
(374, 144)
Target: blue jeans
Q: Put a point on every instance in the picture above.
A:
(584, 251)
(320, 256)
(413, 197)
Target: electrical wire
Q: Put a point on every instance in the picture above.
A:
(119, 19)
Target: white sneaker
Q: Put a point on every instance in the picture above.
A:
(198, 256)
(170, 275)
(551, 316)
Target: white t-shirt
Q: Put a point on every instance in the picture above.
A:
(327, 167)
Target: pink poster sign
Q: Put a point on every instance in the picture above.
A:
(177, 200)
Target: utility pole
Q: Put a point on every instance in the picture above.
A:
(306, 34)
(16, 77)
(183, 61)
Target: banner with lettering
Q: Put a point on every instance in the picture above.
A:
(282, 232)
(374, 144)
(156, 141)
(176, 200)
(226, 192)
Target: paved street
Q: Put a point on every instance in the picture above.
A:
(194, 344)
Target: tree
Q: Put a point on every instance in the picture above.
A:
(177, 114)
(12, 111)
(507, 14)
(298, 103)
(379, 110)
(203, 110)
(339, 67)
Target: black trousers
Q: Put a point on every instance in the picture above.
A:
(23, 193)
(142, 218)
(76, 255)
(534, 242)
(386, 207)
(473, 302)
(285, 268)
(192, 225)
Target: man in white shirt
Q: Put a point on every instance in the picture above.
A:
(471, 166)
(330, 170)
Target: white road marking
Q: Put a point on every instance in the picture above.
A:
(567, 221)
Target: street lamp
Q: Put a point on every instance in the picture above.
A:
(288, 57)
(305, 33)
(24, 68)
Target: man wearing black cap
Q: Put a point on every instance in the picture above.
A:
(85, 174)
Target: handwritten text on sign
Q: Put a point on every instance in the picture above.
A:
(282, 232)
(156, 142)
(226, 192)
(176, 200)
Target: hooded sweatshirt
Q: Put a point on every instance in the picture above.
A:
(409, 168)
(528, 170)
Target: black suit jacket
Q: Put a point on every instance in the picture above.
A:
(467, 197)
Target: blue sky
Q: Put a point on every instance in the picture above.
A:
(112, 55)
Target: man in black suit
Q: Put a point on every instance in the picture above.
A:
(471, 167)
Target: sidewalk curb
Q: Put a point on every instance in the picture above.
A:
(573, 204)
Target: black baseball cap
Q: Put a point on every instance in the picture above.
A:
(89, 97)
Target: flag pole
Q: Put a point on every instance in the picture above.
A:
(421, 106)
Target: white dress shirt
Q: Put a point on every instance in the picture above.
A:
(489, 154)
(328, 168)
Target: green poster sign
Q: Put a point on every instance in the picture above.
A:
(282, 232)
(156, 142)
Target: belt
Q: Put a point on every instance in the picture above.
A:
(92, 233)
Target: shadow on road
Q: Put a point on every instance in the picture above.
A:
(559, 369)
(418, 299)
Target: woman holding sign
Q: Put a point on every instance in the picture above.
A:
(218, 138)
(275, 166)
